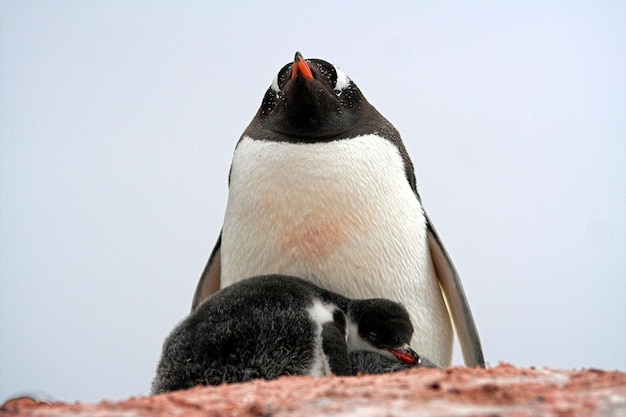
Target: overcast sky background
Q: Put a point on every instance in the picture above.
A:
(118, 121)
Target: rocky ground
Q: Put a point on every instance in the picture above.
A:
(500, 391)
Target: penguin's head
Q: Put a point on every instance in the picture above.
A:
(311, 99)
(384, 326)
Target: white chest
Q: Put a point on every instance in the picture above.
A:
(340, 214)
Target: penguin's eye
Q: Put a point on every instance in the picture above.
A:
(372, 335)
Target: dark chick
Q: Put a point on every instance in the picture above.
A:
(274, 325)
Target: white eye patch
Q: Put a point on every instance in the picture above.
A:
(342, 80)
(275, 86)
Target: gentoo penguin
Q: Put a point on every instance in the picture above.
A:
(321, 187)
(268, 326)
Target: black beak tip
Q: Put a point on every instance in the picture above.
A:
(416, 357)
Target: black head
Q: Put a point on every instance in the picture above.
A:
(385, 325)
(311, 99)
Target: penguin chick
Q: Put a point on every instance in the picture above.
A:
(274, 325)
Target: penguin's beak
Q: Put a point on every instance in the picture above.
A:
(406, 354)
(300, 67)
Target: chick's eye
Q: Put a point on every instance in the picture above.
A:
(373, 335)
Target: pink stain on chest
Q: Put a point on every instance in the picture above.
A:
(313, 238)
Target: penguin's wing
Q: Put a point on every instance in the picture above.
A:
(210, 279)
(450, 283)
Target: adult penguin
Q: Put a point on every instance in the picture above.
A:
(322, 187)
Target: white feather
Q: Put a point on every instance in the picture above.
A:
(274, 85)
(342, 80)
(320, 314)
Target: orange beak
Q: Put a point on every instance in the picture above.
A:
(300, 67)
(406, 355)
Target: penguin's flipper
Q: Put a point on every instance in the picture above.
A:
(336, 349)
(209, 282)
(450, 283)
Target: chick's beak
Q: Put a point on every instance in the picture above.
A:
(406, 354)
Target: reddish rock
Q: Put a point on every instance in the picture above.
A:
(501, 391)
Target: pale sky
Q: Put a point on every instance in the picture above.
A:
(118, 121)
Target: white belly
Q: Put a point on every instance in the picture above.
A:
(342, 215)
